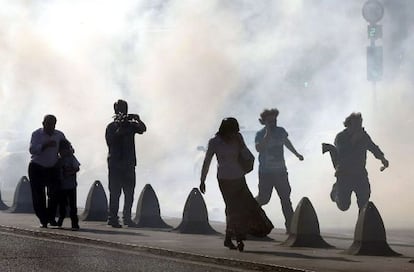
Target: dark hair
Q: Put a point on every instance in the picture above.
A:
(64, 145)
(50, 117)
(355, 116)
(272, 112)
(119, 104)
(228, 126)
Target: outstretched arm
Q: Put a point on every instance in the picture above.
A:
(292, 149)
(376, 151)
(206, 166)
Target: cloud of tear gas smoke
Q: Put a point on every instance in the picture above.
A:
(184, 65)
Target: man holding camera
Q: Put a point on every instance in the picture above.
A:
(120, 138)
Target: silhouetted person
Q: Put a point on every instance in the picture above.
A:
(120, 138)
(68, 166)
(43, 170)
(349, 156)
(243, 214)
(270, 142)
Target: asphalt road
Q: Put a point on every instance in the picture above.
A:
(25, 253)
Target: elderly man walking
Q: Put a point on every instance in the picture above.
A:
(43, 170)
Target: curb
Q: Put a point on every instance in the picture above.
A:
(234, 263)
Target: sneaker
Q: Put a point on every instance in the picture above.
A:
(130, 224)
(229, 244)
(333, 193)
(114, 224)
(75, 226)
(53, 223)
(60, 222)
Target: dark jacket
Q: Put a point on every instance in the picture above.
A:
(121, 142)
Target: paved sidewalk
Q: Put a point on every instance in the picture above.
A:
(266, 255)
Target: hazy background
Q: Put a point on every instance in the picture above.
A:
(184, 65)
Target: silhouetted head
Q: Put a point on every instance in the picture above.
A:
(228, 127)
(268, 117)
(353, 121)
(49, 124)
(65, 147)
(121, 106)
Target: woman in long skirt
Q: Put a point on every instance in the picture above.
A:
(243, 213)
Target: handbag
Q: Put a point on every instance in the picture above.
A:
(246, 159)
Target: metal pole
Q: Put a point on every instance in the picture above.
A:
(374, 95)
(374, 84)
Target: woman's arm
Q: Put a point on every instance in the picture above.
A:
(206, 166)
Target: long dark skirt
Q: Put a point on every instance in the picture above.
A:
(243, 213)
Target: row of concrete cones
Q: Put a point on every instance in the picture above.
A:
(369, 236)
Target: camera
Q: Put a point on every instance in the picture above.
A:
(122, 117)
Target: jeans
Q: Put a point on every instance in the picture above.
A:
(67, 197)
(346, 184)
(279, 181)
(121, 179)
(42, 179)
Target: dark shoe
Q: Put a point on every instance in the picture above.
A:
(131, 224)
(53, 223)
(112, 219)
(60, 222)
(229, 244)
(43, 226)
(75, 226)
(114, 224)
(240, 246)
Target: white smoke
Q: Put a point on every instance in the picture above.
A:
(185, 65)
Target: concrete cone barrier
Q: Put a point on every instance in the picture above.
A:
(148, 210)
(2, 205)
(22, 201)
(369, 236)
(96, 207)
(195, 216)
(304, 229)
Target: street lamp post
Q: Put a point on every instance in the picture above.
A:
(373, 11)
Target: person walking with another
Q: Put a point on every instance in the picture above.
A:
(270, 142)
(68, 166)
(120, 138)
(43, 170)
(243, 214)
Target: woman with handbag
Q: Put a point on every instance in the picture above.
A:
(243, 214)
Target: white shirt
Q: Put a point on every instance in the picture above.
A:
(49, 156)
